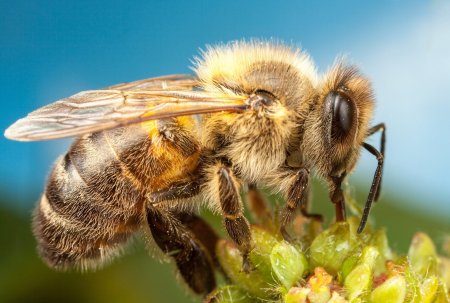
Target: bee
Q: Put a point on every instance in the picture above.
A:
(150, 152)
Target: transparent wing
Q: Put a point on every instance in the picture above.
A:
(170, 82)
(120, 105)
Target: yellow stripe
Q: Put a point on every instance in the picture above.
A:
(53, 217)
(126, 172)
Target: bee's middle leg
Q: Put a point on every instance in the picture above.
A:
(258, 206)
(231, 205)
(180, 190)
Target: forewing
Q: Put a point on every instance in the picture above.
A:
(170, 82)
(120, 105)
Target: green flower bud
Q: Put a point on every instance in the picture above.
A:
(359, 280)
(444, 270)
(428, 289)
(288, 264)
(264, 242)
(369, 256)
(330, 248)
(231, 260)
(363, 237)
(422, 279)
(442, 294)
(393, 290)
(380, 241)
(422, 255)
(229, 294)
(340, 267)
(348, 265)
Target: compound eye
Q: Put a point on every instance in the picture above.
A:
(343, 116)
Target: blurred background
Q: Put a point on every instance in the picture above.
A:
(53, 49)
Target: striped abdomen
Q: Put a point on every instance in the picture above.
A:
(96, 193)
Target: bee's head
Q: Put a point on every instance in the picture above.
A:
(338, 122)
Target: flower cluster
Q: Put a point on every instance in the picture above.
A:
(333, 265)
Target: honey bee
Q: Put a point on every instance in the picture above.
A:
(150, 152)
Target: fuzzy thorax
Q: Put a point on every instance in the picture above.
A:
(233, 63)
(256, 142)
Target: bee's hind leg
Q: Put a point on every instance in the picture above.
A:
(202, 232)
(180, 241)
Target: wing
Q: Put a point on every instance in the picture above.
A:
(120, 105)
(170, 82)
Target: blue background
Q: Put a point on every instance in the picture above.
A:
(53, 49)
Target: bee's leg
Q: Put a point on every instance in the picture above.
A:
(181, 190)
(202, 232)
(337, 197)
(258, 206)
(304, 207)
(231, 204)
(297, 194)
(379, 127)
(375, 187)
(174, 239)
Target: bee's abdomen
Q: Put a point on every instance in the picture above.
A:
(95, 195)
(89, 207)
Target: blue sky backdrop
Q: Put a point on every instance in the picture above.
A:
(52, 49)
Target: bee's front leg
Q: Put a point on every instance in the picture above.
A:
(337, 197)
(232, 209)
(297, 196)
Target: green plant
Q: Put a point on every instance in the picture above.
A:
(332, 265)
